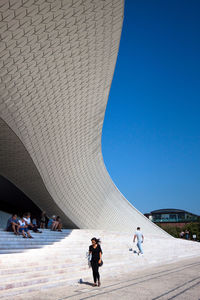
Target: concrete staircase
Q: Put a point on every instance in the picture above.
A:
(10, 243)
(61, 258)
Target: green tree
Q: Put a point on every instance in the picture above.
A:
(193, 228)
(172, 230)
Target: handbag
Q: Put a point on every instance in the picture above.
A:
(101, 263)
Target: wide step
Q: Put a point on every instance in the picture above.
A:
(53, 259)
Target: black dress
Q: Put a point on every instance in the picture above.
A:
(94, 261)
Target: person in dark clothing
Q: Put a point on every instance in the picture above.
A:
(43, 220)
(46, 222)
(12, 224)
(96, 252)
(187, 234)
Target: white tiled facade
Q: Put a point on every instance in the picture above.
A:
(57, 61)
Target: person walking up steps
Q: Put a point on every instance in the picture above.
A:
(96, 252)
(140, 239)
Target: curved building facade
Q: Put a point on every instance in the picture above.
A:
(57, 63)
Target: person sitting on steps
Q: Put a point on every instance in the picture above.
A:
(23, 228)
(30, 226)
(53, 223)
(59, 226)
(12, 224)
(50, 223)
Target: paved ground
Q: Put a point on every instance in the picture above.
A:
(180, 281)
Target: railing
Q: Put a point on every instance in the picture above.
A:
(174, 220)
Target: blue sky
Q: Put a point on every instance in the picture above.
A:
(151, 132)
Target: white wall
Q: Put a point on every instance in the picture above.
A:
(58, 63)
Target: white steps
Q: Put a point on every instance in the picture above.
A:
(10, 243)
(62, 258)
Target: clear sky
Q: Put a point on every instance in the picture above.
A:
(151, 133)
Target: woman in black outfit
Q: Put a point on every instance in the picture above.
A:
(96, 252)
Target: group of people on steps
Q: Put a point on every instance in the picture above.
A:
(22, 225)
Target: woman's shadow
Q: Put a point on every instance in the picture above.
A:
(85, 282)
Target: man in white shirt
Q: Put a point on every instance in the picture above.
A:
(140, 239)
(27, 219)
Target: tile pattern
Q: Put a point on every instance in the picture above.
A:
(57, 63)
(17, 166)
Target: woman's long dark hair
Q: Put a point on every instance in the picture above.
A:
(97, 241)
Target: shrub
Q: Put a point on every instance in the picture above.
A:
(193, 228)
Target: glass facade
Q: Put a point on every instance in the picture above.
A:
(173, 217)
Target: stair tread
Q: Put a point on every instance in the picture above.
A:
(53, 255)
